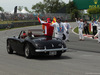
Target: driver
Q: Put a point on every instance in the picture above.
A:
(23, 35)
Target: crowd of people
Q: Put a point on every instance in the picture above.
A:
(84, 25)
(61, 29)
(97, 23)
(18, 16)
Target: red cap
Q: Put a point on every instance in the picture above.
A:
(48, 20)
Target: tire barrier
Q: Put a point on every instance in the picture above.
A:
(18, 24)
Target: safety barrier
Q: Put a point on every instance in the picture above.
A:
(18, 24)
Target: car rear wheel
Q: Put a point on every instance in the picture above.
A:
(9, 49)
(28, 51)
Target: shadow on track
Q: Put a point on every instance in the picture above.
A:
(45, 57)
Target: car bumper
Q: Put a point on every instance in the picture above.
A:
(48, 50)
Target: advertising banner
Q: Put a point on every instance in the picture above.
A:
(86, 4)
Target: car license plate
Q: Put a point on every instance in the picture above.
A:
(53, 53)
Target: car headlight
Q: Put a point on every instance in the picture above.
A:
(60, 44)
(39, 46)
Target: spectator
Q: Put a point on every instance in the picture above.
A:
(94, 26)
(80, 28)
(59, 29)
(98, 33)
(67, 26)
(86, 27)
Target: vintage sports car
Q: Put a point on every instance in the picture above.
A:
(31, 44)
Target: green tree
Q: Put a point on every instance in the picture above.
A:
(71, 9)
(1, 9)
(48, 6)
(52, 6)
(27, 10)
(39, 8)
(94, 11)
(75, 14)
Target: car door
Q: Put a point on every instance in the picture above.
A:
(13, 43)
(20, 45)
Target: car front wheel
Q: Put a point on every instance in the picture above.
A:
(27, 51)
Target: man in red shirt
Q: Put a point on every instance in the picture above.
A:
(48, 28)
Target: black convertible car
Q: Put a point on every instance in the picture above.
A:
(31, 44)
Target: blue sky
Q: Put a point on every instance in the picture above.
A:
(8, 5)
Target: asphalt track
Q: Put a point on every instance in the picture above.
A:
(82, 58)
(88, 44)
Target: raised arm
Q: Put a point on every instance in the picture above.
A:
(40, 20)
(76, 19)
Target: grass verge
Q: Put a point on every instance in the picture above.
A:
(76, 31)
